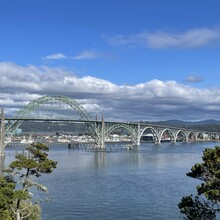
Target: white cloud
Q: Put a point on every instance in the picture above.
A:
(194, 78)
(56, 56)
(153, 100)
(193, 38)
(87, 54)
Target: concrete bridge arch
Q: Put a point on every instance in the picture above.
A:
(183, 134)
(200, 135)
(127, 128)
(169, 131)
(191, 134)
(153, 131)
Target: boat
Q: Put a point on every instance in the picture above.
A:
(27, 141)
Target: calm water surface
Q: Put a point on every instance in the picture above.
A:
(143, 183)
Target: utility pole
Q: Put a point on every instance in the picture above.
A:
(2, 134)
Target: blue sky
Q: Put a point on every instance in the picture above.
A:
(121, 42)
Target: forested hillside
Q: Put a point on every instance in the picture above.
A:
(208, 125)
(27, 126)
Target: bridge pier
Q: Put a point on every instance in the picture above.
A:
(103, 133)
(2, 134)
(100, 141)
(138, 134)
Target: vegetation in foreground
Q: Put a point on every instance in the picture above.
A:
(205, 205)
(15, 195)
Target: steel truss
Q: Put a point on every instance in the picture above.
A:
(10, 128)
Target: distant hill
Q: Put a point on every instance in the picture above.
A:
(211, 121)
(26, 126)
(205, 125)
(205, 122)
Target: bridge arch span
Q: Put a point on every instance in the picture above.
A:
(200, 135)
(184, 135)
(191, 134)
(125, 127)
(155, 135)
(172, 138)
(32, 106)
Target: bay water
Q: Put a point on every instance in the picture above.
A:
(146, 182)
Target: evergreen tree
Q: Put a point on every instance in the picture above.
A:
(24, 170)
(6, 197)
(205, 204)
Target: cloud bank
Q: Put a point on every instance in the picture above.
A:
(153, 100)
(194, 38)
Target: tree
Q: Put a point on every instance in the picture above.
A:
(29, 210)
(205, 204)
(6, 197)
(24, 170)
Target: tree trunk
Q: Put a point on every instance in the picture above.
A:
(18, 215)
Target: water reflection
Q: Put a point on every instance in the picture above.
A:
(146, 182)
(134, 157)
(115, 157)
(99, 159)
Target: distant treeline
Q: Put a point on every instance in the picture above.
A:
(28, 126)
(208, 125)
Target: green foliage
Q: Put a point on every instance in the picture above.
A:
(33, 212)
(6, 196)
(6, 215)
(29, 211)
(23, 162)
(36, 163)
(26, 168)
(21, 194)
(196, 209)
(209, 172)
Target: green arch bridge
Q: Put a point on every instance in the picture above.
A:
(101, 129)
